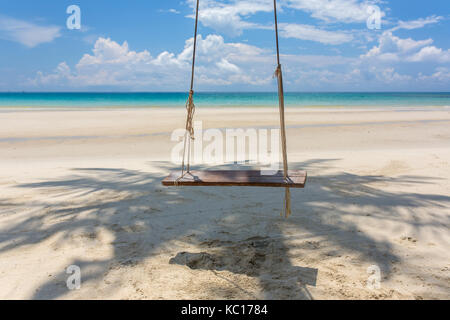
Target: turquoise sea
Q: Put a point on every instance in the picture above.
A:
(178, 99)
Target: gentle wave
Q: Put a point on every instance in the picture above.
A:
(178, 99)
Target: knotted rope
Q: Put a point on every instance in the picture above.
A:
(279, 75)
(190, 107)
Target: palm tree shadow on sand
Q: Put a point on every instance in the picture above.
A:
(250, 239)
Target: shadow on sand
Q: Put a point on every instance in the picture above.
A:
(245, 237)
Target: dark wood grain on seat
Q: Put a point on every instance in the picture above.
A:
(252, 178)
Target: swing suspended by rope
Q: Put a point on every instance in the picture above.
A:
(287, 179)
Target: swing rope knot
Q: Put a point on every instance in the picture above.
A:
(190, 107)
(277, 72)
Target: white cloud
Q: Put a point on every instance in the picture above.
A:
(174, 11)
(393, 48)
(229, 17)
(431, 53)
(389, 75)
(441, 74)
(226, 66)
(107, 51)
(232, 17)
(316, 61)
(219, 65)
(231, 65)
(417, 24)
(27, 33)
(311, 33)
(114, 64)
(60, 74)
(346, 11)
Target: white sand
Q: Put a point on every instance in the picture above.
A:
(83, 188)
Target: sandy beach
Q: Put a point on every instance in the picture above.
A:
(83, 187)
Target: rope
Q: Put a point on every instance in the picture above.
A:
(279, 75)
(190, 107)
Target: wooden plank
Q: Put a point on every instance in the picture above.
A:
(297, 179)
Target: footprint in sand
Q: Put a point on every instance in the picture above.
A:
(409, 239)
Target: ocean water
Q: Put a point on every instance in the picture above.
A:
(412, 99)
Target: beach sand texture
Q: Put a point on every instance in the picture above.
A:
(83, 187)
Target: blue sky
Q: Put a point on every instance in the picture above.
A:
(141, 45)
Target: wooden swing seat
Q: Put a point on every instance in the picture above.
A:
(234, 178)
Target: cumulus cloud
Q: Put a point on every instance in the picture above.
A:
(220, 64)
(61, 76)
(416, 57)
(27, 33)
(431, 53)
(393, 48)
(107, 51)
(114, 64)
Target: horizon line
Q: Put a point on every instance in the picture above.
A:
(212, 92)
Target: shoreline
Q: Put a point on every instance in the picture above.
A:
(237, 107)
